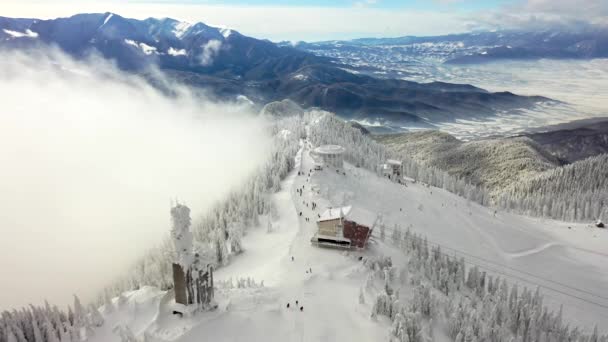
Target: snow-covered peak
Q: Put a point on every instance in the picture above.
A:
(226, 32)
(181, 28)
(198, 28)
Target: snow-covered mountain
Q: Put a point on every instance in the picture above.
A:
(479, 47)
(231, 64)
(136, 43)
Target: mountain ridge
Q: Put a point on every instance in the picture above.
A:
(231, 64)
(481, 47)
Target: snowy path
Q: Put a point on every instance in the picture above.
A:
(329, 294)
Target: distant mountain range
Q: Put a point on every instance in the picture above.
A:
(231, 65)
(482, 47)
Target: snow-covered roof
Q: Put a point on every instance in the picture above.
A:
(393, 162)
(361, 216)
(330, 149)
(355, 214)
(334, 213)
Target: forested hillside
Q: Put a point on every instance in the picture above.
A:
(491, 163)
(578, 191)
(518, 174)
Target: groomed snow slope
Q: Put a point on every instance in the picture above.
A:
(567, 260)
(507, 243)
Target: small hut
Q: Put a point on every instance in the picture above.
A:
(332, 156)
(392, 169)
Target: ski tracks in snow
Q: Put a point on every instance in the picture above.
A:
(531, 251)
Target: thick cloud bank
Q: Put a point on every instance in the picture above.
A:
(90, 160)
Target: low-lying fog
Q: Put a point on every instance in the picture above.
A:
(578, 82)
(90, 160)
(581, 84)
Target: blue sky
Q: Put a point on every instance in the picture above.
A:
(313, 20)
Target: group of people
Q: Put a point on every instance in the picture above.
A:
(297, 303)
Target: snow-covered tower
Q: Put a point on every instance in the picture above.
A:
(182, 241)
(331, 155)
(393, 169)
(181, 235)
(192, 280)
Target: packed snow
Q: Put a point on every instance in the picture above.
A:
(279, 266)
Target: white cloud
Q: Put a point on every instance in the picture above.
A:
(544, 14)
(210, 50)
(91, 159)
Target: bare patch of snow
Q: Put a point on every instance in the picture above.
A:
(145, 48)
(16, 34)
(300, 77)
(131, 42)
(181, 28)
(226, 32)
(106, 20)
(176, 52)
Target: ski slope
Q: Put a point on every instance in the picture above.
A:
(570, 264)
(569, 261)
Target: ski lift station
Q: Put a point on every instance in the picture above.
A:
(344, 227)
(330, 155)
(392, 169)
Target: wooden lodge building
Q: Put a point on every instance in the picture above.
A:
(344, 227)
